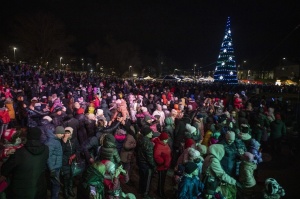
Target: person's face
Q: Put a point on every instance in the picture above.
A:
(195, 173)
(149, 135)
(229, 141)
(67, 135)
(59, 136)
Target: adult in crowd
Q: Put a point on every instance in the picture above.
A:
(26, 168)
(145, 161)
(55, 159)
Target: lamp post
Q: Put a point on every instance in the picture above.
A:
(195, 70)
(15, 53)
(60, 61)
(130, 71)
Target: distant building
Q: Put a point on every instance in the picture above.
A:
(290, 71)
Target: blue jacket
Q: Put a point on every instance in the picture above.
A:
(189, 187)
(55, 152)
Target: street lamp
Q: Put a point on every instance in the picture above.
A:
(60, 61)
(194, 70)
(15, 53)
(130, 70)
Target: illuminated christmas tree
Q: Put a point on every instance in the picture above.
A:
(226, 71)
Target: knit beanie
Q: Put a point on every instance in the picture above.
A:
(59, 130)
(120, 132)
(230, 135)
(70, 129)
(189, 143)
(80, 111)
(47, 118)
(145, 131)
(193, 153)
(190, 167)
(99, 112)
(163, 136)
(147, 117)
(91, 109)
(202, 149)
(34, 133)
(190, 128)
(248, 156)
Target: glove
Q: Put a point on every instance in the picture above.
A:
(238, 185)
(72, 158)
(53, 174)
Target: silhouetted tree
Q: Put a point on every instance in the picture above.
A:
(42, 37)
(116, 56)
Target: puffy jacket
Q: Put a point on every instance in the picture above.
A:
(230, 158)
(145, 151)
(55, 152)
(69, 148)
(47, 130)
(162, 155)
(34, 117)
(212, 161)
(246, 176)
(109, 150)
(90, 146)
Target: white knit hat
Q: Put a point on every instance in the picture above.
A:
(47, 118)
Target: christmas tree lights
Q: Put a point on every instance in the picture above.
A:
(226, 71)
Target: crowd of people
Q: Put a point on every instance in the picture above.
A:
(58, 125)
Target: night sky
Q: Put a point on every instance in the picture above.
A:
(187, 32)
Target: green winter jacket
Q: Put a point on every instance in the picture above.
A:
(215, 153)
(278, 129)
(246, 176)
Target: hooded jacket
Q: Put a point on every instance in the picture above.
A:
(212, 161)
(27, 167)
(55, 152)
(109, 150)
(162, 155)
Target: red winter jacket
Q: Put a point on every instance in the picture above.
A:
(162, 155)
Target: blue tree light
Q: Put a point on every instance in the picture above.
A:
(226, 71)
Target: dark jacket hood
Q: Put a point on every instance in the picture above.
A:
(35, 147)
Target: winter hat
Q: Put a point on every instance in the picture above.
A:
(47, 118)
(34, 99)
(158, 106)
(199, 115)
(34, 133)
(248, 156)
(99, 112)
(189, 143)
(120, 132)
(277, 117)
(244, 128)
(191, 129)
(190, 167)
(202, 149)
(70, 129)
(272, 187)
(164, 107)
(145, 131)
(59, 130)
(193, 153)
(230, 135)
(80, 111)
(163, 136)
(9, 134)
(110, 167)
(91, 109)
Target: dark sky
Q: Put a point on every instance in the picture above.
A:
(188, 32)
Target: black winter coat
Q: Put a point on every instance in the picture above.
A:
(74, 123)
(26, 169)
(69, 148)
